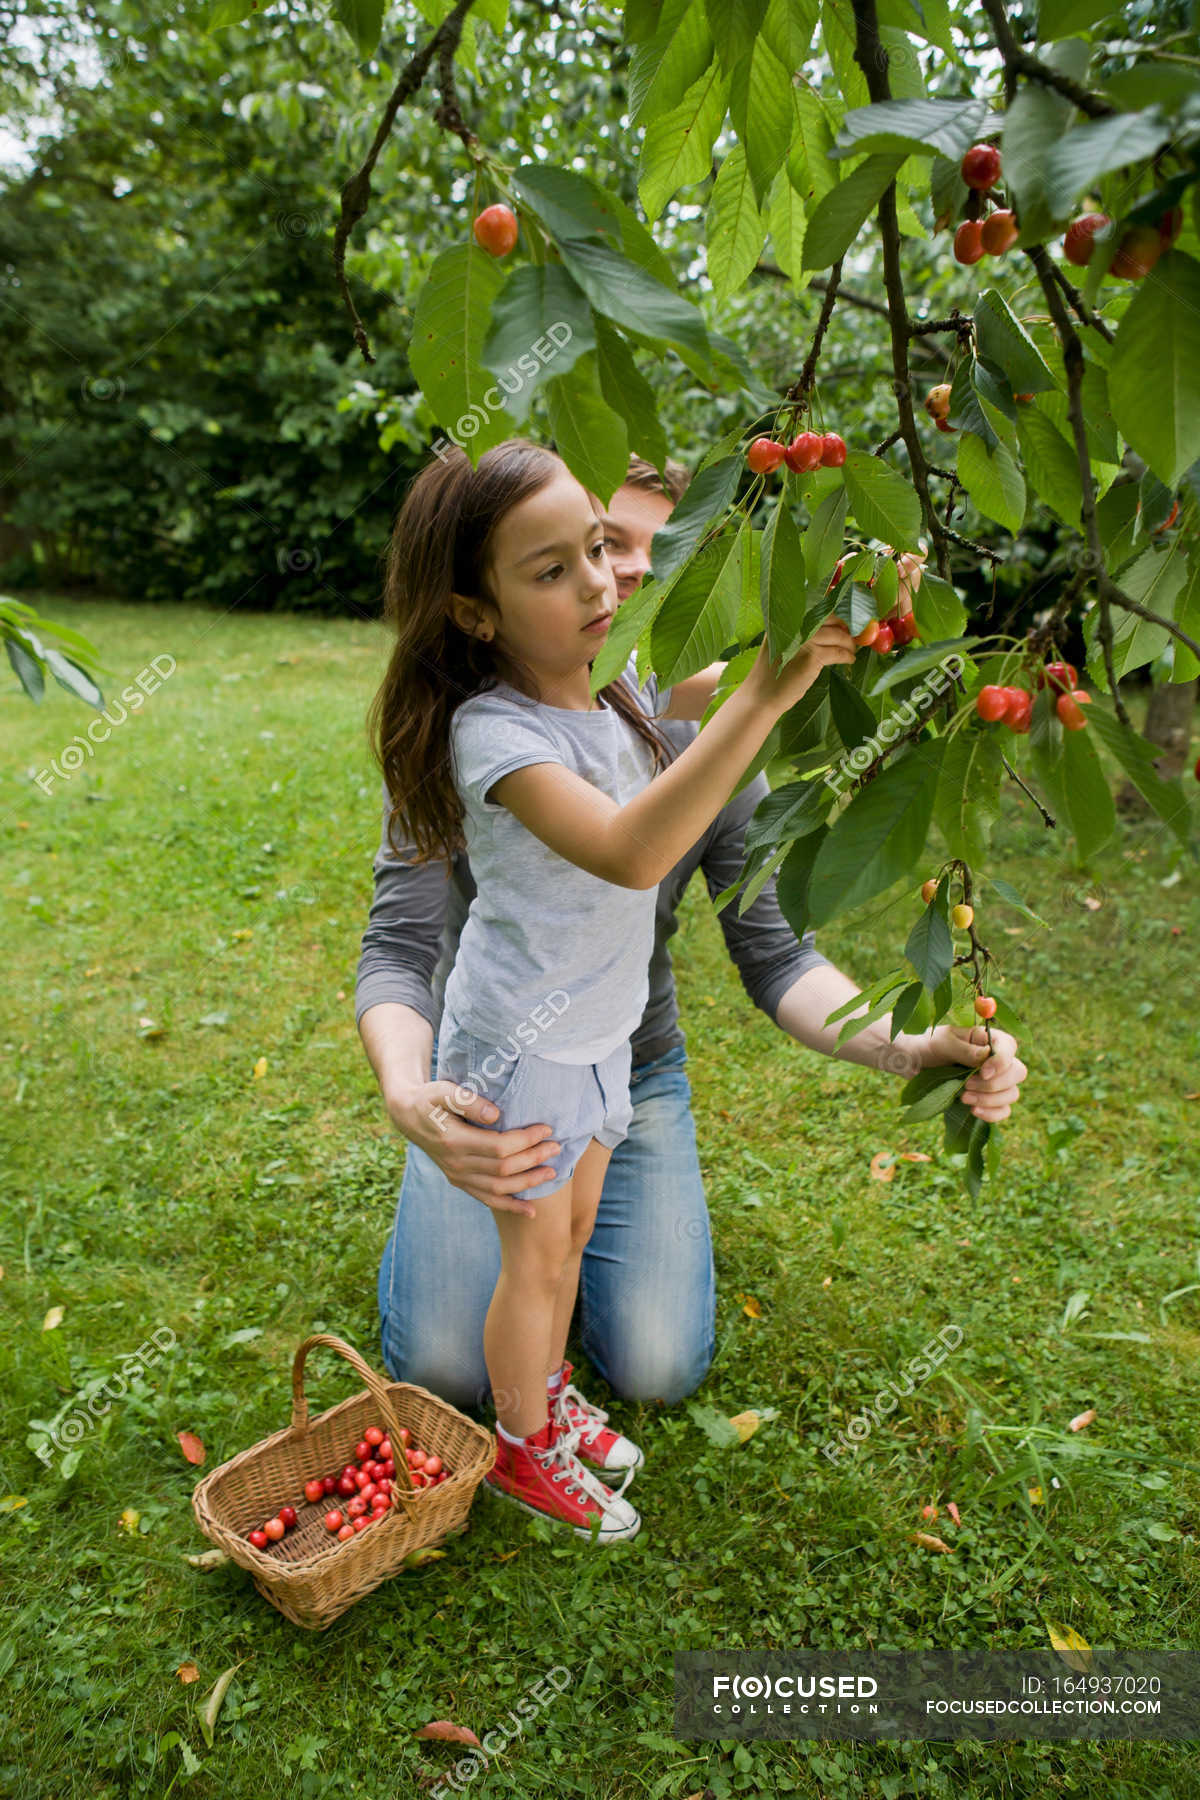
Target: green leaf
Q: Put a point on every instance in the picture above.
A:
(1089, 802)
(792, 881)
(1064, 18)
(735, 226)
(790, 27)
(590, 437)
(363, 19)
(1088, 151)
(568, 205)
(929, 1090)
(629, 393)
(938, 610)
(789, 812)
(993, 481)
(926, 127)
(884, 504)
(705, 500)
(633, 621)
(1154, 375)
(630, 297)
(810, 167)
(26, 667)
(786, 224)
(782, 580)
(1137, 757)
(734, 25)
(539, 304)
(1051, 465)
(919, 660)
(760, 105)
(836, 221)
(677, 148)
(1004, 341)
(1007, 892)
(450, 325)
(930, 947)
(1033, 125)
(879, 837)
(853, 718)
(700, 615)
(823, 539)
(1154, 580)
(69, 675)
(839, 34)
(968, 793)
(662, 70)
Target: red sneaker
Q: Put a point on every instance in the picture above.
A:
(545, 1477)
(598, 1443)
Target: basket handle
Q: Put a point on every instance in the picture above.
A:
(377, 1389)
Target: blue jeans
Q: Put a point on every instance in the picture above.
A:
(647, 1288)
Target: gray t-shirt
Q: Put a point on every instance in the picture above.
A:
(550, 955)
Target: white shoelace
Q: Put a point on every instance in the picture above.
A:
(561, 1450)
(569, 1396)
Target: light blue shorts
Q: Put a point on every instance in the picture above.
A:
(579, 1101)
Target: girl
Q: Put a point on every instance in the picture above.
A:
(501, 593)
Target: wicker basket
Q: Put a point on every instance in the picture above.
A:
(309, 1575)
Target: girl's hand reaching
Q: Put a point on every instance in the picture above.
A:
(830, 643)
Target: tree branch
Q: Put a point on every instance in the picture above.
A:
(1083, 311)
(357, 191)
(800, 389)
(1019, 62)
(872, 59)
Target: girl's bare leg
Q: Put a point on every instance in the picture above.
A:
(586, 1183)
(517, 1333)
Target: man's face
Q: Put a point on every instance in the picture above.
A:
(629, 524)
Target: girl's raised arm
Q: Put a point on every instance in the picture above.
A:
(637, 844)
(690, 698)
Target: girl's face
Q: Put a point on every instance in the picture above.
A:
(550, 575)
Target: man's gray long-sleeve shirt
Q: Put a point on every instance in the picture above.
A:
(418, 910)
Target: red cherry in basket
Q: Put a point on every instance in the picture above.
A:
(288, 1515)
(369, 1492)
(405, 1436)
(329, 1484)
(362, 1450)
(258, 1538)
(315, 1489)
(333, 1520)
(389, 1469)
(350, 1469)
(417, 1459)
(385, 1449)
(275, 1529)
(385, 1485)
(361, 1524)
(346, 1532)
(347, 1485)
(433, 1465)
(356, 1508)
(373, 1435)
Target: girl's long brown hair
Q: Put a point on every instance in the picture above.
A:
(440, 545)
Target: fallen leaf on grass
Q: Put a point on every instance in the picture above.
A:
(953, 1511)
(828, 1281)
(448, 1733)
(929, 1542)
(53, 1319)
(507, 1555)
(1074, 1650)
(128, 1520)
(149, 1028)
(883, 1166)
(1195, 1096)
(915, 1156)
(745, 1424)
(1036, 1496)
(1082, 1419)
(207, 1559)
(191, 1446)
(752, 1309)
(417, 1559)
(212, 1706)
(260, 1068)
(188, 1672)
(11, 1502)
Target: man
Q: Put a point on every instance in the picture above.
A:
(647, 1294)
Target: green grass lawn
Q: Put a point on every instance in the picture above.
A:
(208, 870)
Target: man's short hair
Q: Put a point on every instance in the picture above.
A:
(672, 482)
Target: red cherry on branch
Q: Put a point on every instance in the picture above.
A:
(968, 242)
(1019, 711)
(1081, 233)
(833, 450)
(1137, 253)
(991, 703)
(765, 455)
(985, 1006)
(1068, 708)
(999, 232)
(1058, 675)
(803, 454)
(884, 641)
(981, 167)
(496, 230)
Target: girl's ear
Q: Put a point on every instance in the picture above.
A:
(469, 617)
